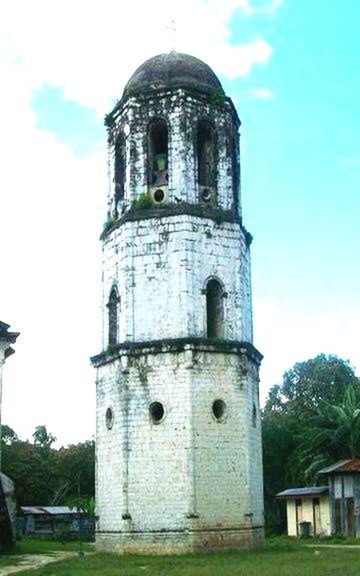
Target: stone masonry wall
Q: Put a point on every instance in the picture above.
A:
(189, 472)
(181, 110)
(160, 267)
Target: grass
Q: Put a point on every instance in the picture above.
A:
(279, 557)
(39, 546)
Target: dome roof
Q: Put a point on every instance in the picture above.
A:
(170, 70)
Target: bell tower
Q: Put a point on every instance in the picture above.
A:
(178, 439)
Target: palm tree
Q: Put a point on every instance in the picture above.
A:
(331, 434)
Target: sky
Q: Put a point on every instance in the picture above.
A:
(291, 68)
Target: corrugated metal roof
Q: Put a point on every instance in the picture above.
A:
(31, 510)
(59, 510)
(307, 491)
(352, 465)
(53, 510)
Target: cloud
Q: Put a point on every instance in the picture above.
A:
(54, 202)
(90, 49)
(264, 6)
(286, 334)
(262, 94)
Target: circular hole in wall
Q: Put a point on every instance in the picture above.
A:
(157, 412)
(206, 195)
(219, 409)
(109, 418)
(159, 195)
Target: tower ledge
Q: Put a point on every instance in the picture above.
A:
(177, 345)
(184, 208)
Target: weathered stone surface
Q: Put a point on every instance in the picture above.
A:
(176, 472)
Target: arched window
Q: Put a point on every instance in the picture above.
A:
(214, 309)
(119, 168)
(158, 153)
(205, 154)
(113, 312)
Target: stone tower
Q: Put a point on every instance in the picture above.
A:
(178, 439)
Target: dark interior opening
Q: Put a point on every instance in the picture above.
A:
(119, 168)
(113, 311)
(214, 309)
(158, 153)
(219, 409)
(205, 154)
(156, 412)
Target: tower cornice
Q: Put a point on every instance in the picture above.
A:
(181, 209)
(170, 345)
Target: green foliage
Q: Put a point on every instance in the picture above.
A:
(43, 438)
(143, 202)
(109, 120)
(44, 475)
(307, 383)
(309, 421)
(109, 223)
(333, 433)
(73, 462)
(8, 435)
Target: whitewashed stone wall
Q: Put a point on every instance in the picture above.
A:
(181, 111)
(190, 473)
(161, 266)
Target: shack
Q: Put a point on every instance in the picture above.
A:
(50, 520)
(307, 510)
(344, 496)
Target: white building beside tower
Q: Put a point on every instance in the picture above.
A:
(178, 444)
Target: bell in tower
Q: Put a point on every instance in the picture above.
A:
(178, 437)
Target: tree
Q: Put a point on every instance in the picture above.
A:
(333, 433)
(44, 475)
(8, 436)
(317, 398)
(24, 463)
(323, 378)
(77, 461)
(43, 438)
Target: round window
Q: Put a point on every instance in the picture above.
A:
(109, 418)
(157, 412)
(219, 409)
(206, 195)
(159, 195)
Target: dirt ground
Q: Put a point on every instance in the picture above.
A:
(32, 561)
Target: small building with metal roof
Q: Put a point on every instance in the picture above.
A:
(49, 520)
(344, 496)
(307, 510)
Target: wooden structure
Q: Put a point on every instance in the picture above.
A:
(344, 496)
(54, 520)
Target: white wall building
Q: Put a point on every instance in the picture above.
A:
(178, 441)
(307, 511)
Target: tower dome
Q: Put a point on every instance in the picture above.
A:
(172, 70)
